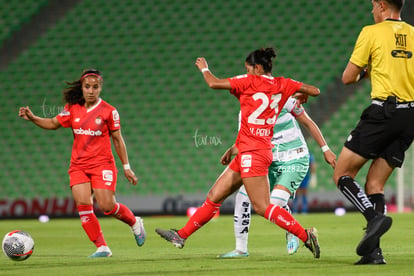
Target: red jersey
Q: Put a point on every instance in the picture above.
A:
(261, 100)
(91, 131)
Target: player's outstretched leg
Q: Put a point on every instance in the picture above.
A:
(203, 215)
(171, 236)
(283, 219)
(312, 242)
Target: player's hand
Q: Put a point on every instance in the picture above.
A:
(130, 175)
(201, 63)
(26, 113)
(330, 158)
(300, 97)
(226, 158)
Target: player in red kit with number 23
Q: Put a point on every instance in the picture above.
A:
(261, 97)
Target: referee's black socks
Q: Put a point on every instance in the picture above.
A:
(356, 195)
(378, 201)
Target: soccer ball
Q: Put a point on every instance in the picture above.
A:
(18, 245)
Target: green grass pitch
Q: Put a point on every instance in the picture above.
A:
(61, 248)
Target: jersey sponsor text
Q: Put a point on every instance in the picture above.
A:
(90, 132)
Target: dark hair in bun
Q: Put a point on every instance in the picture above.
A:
(263, 57)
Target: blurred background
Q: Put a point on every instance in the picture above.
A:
(175, 127)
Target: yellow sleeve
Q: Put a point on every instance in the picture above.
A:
(360, 55)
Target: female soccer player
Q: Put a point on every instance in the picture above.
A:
(92, 168)
(261, 97)
(287, 172)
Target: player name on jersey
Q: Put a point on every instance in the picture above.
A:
(260, 131)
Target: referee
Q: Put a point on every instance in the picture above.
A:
(383, 52)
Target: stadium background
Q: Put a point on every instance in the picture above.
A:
(175, 127)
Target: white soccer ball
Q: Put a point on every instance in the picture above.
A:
(18, 245)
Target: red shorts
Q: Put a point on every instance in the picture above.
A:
(252, 163)
(103, 177)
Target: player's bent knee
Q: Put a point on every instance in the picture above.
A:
(109, 209)
(260, 210)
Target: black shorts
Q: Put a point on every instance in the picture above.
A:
(385, 130)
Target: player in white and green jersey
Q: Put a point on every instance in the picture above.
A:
(288, 169)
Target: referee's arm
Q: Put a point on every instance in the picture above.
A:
(353, 73)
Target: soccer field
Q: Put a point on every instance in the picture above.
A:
(61, 248)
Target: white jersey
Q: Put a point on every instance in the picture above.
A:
(288, 140)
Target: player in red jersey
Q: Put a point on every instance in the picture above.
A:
(92, 168)
(261, 97)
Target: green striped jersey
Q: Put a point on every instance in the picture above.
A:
(287, 133)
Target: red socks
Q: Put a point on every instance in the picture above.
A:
(274, 213)
(121, 212)
(283, 219)
(199, 218)
(91, 224)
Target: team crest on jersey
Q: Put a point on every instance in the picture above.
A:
(107, 175)
(98, 120)
(246, 161)
(64, 113)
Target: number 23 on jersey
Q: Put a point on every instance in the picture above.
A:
(266, 103)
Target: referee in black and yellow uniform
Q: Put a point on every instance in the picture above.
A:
(383, 52)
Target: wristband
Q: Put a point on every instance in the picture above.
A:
(204, 70)
(127, 166)
(362, 74)
(325, 148)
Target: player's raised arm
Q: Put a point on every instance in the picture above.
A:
(46, 123)
(211, 80)
(309, 90)
(306, 90)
